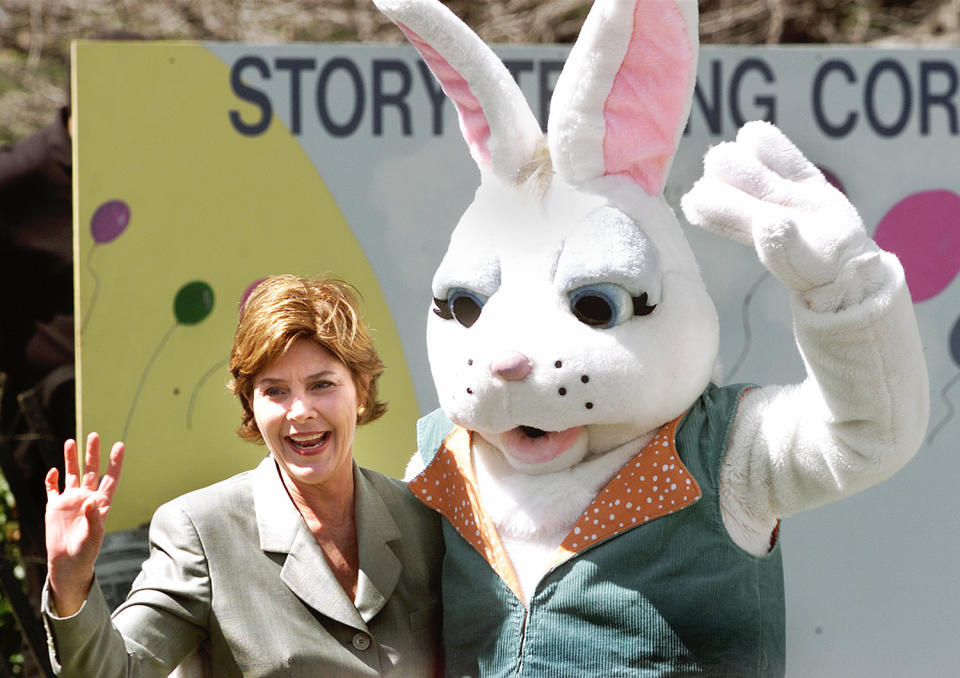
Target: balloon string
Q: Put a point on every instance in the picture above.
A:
(950, 410)
(196, 390)
(96, 289)
(747, 331)
(143, 379)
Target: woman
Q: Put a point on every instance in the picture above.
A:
(307, 565)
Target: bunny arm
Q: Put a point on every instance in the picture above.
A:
(857, 418)
(862, 411)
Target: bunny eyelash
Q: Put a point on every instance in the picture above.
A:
(641, 307)
(442, 308)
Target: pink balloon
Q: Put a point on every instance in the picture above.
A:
(923, 230)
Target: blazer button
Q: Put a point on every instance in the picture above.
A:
(361, 641)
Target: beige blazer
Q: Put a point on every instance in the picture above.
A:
(234, 571)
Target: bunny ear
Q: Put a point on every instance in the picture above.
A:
(622, 99)
(495, 119)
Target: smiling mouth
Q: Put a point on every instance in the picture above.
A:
(308, 442)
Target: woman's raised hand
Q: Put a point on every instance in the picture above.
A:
(75, 521)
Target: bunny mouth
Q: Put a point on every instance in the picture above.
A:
(536, 446)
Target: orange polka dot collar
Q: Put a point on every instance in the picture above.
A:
(653, 484)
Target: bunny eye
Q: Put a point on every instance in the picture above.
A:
(461, 305)
(604, 305)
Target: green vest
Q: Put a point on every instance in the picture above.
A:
(670, 597)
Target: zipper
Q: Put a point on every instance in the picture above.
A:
(523, 640)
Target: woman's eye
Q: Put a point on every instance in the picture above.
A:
(272, 392)
(320, 385)
(602, 305)
(462, 305)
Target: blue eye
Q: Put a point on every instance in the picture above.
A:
(602, 305)
(461, 304)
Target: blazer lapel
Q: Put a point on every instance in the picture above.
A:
(308, 575)
(379, 565)
(305, 570)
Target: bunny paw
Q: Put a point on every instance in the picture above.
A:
(761, 190)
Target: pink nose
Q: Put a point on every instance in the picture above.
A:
(511, 366)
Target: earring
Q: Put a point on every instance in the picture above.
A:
(361, 410)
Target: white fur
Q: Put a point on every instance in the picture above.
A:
(576, 127)
(858, 417)
(533, 513)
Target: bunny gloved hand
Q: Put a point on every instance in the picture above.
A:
(761, 190)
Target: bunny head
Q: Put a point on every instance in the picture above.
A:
(569, 315)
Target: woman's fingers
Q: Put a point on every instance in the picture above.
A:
(94, 514)
(90, 508)
(91, 481)
(71, 464)
(92, 462)
(108, 484)
(52, 483)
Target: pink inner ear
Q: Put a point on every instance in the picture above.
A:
(644, 110)
(473, 122)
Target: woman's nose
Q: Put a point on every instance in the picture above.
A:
(300, 410)
(511, 366)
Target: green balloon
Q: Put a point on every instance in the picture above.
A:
(193, 302)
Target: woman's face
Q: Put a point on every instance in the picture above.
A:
(305, 405)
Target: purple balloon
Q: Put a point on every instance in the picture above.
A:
(109, 221)
(248, 292)
(832, 179)
(955, 342)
